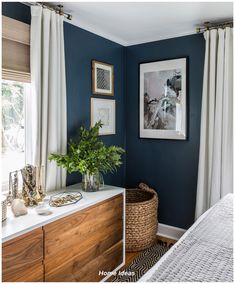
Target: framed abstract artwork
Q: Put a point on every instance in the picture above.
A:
(102, 78)
(104, 110)
(162, 95)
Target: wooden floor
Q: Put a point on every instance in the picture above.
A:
(130, 256)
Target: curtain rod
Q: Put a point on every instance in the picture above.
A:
(58, 9)
(210, 26)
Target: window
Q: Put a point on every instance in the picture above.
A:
(13, 127)
(15, 90)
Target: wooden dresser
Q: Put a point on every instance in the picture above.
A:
(78, 247)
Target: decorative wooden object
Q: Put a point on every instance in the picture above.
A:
(22, 258)
(74, 248)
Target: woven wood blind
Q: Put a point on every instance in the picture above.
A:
(15, 50)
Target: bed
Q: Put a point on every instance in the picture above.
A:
(204, 253)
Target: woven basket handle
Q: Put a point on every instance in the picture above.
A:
(144, 187)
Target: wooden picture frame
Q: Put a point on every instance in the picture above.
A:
(104, 110)
(102, 78)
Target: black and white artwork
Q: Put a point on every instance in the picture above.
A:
(104, 110)
(163, 99)
(102, 78)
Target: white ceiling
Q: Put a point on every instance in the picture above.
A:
(131, 23)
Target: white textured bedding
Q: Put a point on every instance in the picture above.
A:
(204, 253)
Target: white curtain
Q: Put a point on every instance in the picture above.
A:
(48, 100)
(215, 170)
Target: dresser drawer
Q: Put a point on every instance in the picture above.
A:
(33, 273)
(83, 241)
(22, 258)
(91, 271)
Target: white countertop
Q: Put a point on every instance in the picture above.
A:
(15, 226)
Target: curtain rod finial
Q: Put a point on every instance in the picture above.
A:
(60, 9)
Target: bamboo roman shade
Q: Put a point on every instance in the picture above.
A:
(15, 50)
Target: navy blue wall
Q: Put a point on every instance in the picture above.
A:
(16, 11)
(80, 48)
(169, 166)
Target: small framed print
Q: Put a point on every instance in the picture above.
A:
(104, 110)
(162, 96)
(102, 78)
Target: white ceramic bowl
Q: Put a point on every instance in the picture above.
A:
(43, 209)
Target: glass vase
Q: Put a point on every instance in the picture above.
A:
(92, 182)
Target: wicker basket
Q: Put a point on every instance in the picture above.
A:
(141, 218)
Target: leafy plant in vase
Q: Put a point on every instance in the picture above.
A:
(90, 156)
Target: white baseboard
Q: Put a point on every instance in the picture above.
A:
(170, 232)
